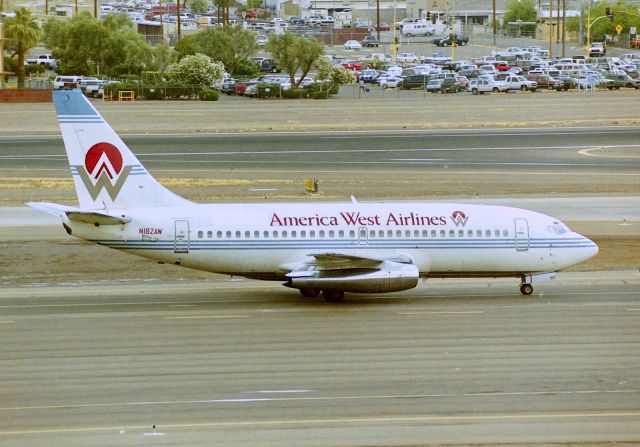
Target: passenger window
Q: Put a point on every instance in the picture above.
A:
(372, 233)
(294, 233)
(256, 234)
(443, 233)
(352, 234)
(452, 233)
(284, 234)
(265, 234)
(229, 234)
(505, 233)
(209, 234)
(407, 233)
(460, 233)
(398, 233)
(321, 233)
(332, 233)
(238, 234)
(488, 233)
(425, 233)
(312, 233)
(219, 234)
(275, 234)
(303, 234)
(470, 233)
(200, 234)
(389, 233)
(496, 233)
(433, 233)
(380, 233)
(341, 233)
(247, 234)
(479, 233)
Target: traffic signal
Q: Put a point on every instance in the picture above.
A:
(608, 13)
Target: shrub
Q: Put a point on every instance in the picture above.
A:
(209, 95)
(269, 90)
(33, 69)
(295, 93)
(320, 95)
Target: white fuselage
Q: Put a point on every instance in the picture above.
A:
(266, 240)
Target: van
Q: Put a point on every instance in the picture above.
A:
(66, 82)
(417, 29)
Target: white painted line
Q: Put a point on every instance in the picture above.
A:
(205, 317)
(6, 321)
(465, 312)
(283, 391)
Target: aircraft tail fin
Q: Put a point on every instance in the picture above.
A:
(105, 172)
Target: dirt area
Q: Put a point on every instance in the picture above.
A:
(70, 261)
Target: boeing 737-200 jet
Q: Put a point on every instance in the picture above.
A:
(331, 248)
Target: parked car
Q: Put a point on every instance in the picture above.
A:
(514, 82)
(389, 81)
(269, 65)
(384, 27)
(228, 85)
(486, 85)
(369, 75)
(352, 45)
(545, 81)
(409, 58)
(434, 85)
(66, 82)
(459, 39)
(415, 81)
(624, 80)
(449, 85)
(370, 41)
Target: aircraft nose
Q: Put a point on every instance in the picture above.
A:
(588, 249)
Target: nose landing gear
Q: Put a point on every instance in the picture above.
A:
(526, 288)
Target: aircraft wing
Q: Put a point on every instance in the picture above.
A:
(79, 215)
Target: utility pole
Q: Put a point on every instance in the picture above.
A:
(495, 23)
(179, 22)
(564, 21)
(550, 29)
(378, 20)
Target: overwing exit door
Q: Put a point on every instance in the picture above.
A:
(181, 244)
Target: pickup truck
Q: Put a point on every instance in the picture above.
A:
(514, 82)
(43, 59)
(511, 54)
(269, 65)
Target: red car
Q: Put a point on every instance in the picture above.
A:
(384, 27)
(353, 65)
(635, 43)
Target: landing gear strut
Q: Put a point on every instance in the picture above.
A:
(333, 296)
(526, 288)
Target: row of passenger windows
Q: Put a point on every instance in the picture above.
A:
(362, 234)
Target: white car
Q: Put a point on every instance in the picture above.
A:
(408, 58)
(352, 45)
(389, 81)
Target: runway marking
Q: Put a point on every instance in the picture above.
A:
(462, 312)
(587, 152)
(6, 321)
(323, 398)
(327, 421)
(633, 310)
(204, 317)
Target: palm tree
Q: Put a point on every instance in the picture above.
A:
(24, 33)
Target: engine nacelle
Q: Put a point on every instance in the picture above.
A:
(392, 279)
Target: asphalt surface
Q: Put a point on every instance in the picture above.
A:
(426, 164)
(225, 362)
(246, 363)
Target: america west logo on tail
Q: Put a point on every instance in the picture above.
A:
(103, 169)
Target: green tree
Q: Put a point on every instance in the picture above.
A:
(230, 45)
(87, 46)
(25, 34)
(161, 57)
(520, 10)
(326, 72)
(197, 70)
(624, 14)
(198, 6)
(295, 53)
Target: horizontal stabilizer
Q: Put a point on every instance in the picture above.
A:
(78, 215)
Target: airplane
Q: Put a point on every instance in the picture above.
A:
(329, 248)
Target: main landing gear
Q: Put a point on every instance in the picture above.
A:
(330, 296)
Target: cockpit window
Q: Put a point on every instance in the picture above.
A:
(560, 228)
